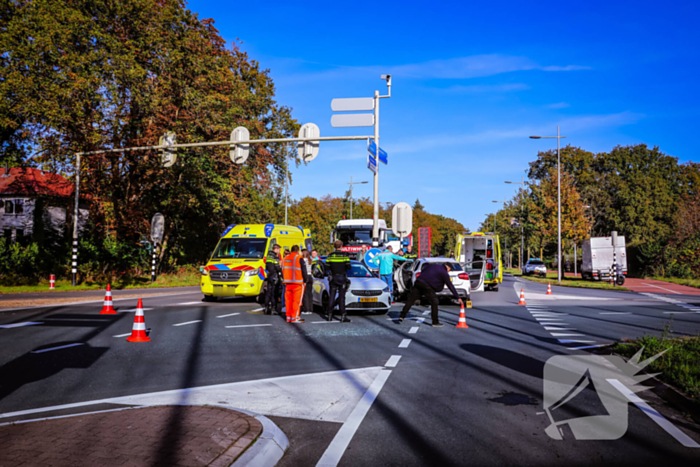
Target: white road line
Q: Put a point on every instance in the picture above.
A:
(248, 325)
(191, 303)
(574, 341)
(133, 310)
(420, 320)
(659, 419)
(588, 347)
(544, 318)
(226, 316)
(413, 330)
(342, 439)
(123, 335)
(616, 313)
(257, 309)
(393, 361)
(669, 290)
(56, 348)
(563, 334)
(553, 324)
(404, 343)
(680, 312)
(19, 325)
(324, 322)
(426, 312)
(188, 322)
(548, 328)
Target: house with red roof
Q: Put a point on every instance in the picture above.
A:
(29, 197)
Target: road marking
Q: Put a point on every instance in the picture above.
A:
(393, 361)
(616, 313)
(324, 322)
(188, 322)
(544, 318)
(2, 310)
(226, 316)
(553, 324)
(74, 319)
(133, 310)
(588, 347)
(404, 343)
(669, 290)
(56, 348)
(680, 312)
(574, 341)
(426, 312)
(413, 330)
(191, 303)
(563, 334)
(19, 325)
(123, 335)
(659, 419)
(420, 320)
(547, 328)
(248, 325)
(257, 309)
(342, 439)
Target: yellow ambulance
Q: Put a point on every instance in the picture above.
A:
(481, 252)
(237, 265)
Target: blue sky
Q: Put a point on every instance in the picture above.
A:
(471, 82)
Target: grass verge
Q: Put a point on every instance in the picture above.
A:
(673, 280)
(183, 278)
(567, 281)
(679, 366)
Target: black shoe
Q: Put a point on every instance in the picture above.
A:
(438, 325)
(330, 318)
(344, 319)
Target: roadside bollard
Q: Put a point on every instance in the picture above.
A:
(52, 282)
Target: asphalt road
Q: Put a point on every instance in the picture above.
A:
(370, 392)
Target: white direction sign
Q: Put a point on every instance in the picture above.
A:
(239, 152)
(168, 156)
(371, 163)
(157, 228)
(402, 219)
(348, 120)
(308, 150)
(353, 104)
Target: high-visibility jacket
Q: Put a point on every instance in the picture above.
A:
(412, 256)
(291, 269)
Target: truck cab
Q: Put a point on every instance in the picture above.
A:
(356, 233)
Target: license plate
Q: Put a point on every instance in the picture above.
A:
(373, 299)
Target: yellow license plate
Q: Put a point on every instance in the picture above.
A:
(373, 299)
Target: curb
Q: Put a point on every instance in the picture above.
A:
(268, 449)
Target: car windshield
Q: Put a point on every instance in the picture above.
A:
(359, 270)
(454, 266)
(240, 248)
(536, 263)
(353, 237)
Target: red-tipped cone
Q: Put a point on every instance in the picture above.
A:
(549, 289)
(107, 308)
(138, 331)
(462, 319)
(52, 282)
(522, 298)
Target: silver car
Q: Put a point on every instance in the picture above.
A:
(408, 273)
(366, 292)
(535, 266)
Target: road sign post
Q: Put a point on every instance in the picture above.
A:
(402, 220)
(157, 231)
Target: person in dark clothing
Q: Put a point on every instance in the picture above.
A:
(433, 278)
(338, 264)
(274, 279)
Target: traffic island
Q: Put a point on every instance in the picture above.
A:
(161, 435)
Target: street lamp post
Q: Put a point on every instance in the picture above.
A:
(505, 237)
(522, 236)
(558, 137)
(351, 184)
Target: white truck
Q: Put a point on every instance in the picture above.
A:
(356, 233)
(598, 259)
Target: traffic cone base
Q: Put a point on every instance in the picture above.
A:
(138, 331)
(549, 288)
(107, 308)
(462, 319)
(522, 297)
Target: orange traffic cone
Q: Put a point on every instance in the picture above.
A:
(549, 288)
(138, 331)
(107, 308)
(522, 298)
(462, 319)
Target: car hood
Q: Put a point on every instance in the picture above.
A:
(367, 283)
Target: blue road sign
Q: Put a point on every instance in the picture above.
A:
(371, 163)
(372, 148)
(370, 256)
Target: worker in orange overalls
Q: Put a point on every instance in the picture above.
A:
(294, 274)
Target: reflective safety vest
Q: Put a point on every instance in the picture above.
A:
(291, 271)
(410, 256)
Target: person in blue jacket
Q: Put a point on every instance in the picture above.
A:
(385, 259)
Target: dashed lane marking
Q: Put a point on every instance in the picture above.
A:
(589, 347)
(324, 322)
(680, 312)
(615, 313)
(413, 330)
(191, 303)
(133, 310)
(404, 343)
(393, 361)
(574, 341)
(226, 316)
(563, 334)
(426, 312)
(421, 320)
(56, 348)
(123, 335)
(549, 328)
(188, 322)
(19, 325)
(248, 325)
